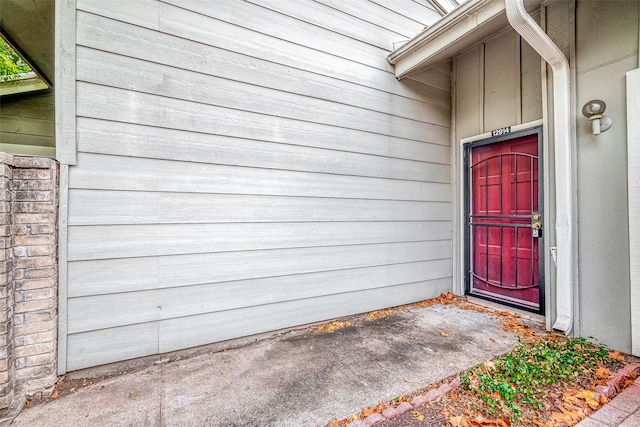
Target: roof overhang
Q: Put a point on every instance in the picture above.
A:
(467, 25)
(30, 27)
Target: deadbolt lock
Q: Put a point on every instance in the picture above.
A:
(536, 226)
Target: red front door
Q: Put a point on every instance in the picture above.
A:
(503, 219)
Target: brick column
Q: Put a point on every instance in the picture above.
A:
(28, 279)
(7, 385)
(35, 274)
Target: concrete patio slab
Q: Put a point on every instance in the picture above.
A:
(295, 378)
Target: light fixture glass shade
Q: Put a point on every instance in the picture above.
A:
(593, 107)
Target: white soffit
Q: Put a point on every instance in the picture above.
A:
(467, 25)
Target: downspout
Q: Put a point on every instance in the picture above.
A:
(522, 22)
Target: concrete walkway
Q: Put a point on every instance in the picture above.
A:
(622, 411)
(297, 378)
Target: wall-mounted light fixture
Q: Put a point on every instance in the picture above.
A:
(593, 111)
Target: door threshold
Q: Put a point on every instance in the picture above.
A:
(538, 318)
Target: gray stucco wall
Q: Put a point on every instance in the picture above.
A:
(606, 48)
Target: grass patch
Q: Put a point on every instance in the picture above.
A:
(517, 380)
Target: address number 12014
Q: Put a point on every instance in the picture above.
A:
(501, 131)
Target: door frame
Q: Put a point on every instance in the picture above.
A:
(501, 135)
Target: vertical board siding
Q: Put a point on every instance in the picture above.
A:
(241, 163)
(470, 93)
(530, 75)
(498, 83)
(501, 81)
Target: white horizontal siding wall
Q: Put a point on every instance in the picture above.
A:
(245, 166)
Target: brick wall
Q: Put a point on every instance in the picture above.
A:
(28, 277)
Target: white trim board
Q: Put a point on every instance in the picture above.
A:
(514, 128)
(633, 171)
(65, 137)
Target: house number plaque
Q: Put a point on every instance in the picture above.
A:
(501, 131)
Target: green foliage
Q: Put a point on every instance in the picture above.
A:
(11, 63)
(515, 379)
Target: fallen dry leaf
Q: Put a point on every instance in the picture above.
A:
(589, 397)
(603, 373)
(489, 365)
(417, 415)
(570, 414)
(474, 382)
(458, 421)
(444, 334)
(54, 395)
(448, 298)
(332, 327)
(568, 395)
(374, 409)
(626, 382)
(559, 416)
(512, 325)
(483, 421)
(377, 314)
(381, 407)
(616, 355)
(367, 411)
